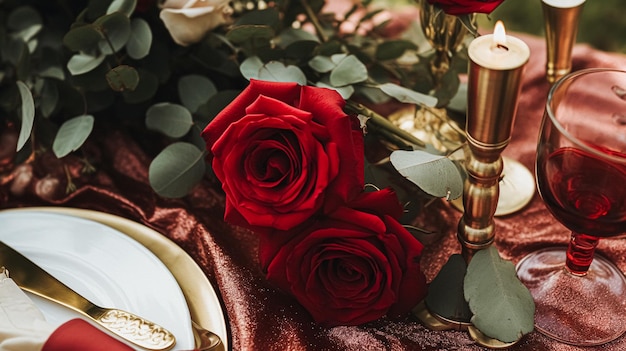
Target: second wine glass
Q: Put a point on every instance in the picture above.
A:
(581, 172)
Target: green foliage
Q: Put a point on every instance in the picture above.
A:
(436, 175)
(175, 171)
(502, 306)
(72, 135)
(102, 58)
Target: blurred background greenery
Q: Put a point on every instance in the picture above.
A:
(602, 22)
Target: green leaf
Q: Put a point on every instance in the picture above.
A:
(345, 91)
(24, 23)
(126, 7)
(250, 32)
(83, 63)
(409, 96)
(176, 170)
(28, 114)
(83, 38)
(436, 175)
(445, 293)
(123, 78)
(170, 119)
(250, 67)
(503, 307)
(49, 98)
(294, 35)
(116, 28)
(140, 40)
(72, 134)
(348, 71)
(390, 50)
(145, 90)
(276, 71)
(322, 64)
(195, 90)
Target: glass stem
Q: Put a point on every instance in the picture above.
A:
(580, 253)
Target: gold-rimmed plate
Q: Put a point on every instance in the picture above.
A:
(202, 301)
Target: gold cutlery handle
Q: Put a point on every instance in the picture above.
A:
(133, 328)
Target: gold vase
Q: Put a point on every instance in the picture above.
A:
(445, 33)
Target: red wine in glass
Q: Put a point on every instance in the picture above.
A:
(580, 295)
(584, 192)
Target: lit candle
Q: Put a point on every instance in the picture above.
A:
(494, 82)
(498, 51)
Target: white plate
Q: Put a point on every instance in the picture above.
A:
(102, 264)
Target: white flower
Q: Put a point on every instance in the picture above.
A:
(189, 20)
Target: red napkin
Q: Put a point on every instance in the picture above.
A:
(78, 335)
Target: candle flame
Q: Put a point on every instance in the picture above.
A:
(499, 35)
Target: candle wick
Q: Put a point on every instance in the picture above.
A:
(500, 46)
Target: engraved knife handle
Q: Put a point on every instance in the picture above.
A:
(133, 328)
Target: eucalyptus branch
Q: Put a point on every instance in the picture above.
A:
(383, 124)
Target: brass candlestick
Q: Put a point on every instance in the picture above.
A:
(561, 25)
(493, 91)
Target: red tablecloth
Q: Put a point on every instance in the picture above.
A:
(262, 318)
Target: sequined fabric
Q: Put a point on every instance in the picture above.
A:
(259, 316)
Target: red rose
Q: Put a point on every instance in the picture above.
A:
(464, 7)
(354, 267)
(283, 152)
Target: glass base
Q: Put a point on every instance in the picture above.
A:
(578, 310)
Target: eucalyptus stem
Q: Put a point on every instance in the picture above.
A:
(314, 20)
(384, 124)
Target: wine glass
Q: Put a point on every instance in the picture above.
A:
(580, 296)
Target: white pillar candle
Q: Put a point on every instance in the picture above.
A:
(499, 51)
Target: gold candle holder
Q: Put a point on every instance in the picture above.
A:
(494, 82)
(561, 25)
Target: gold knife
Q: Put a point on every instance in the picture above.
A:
(32, 278)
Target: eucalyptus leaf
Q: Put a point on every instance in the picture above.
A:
(72, 134)
(293, 35)
(25, 22)
(348, 71)
(445, 293)
(49, 98)
(84, 38)
(176, 170)
(337, 58)
(140, 40)
(127, 7)
(243, 33)
(170, 119)
(28, 114)
(116, 28)
(123, 78)
(145, 90)
(436, 175)
(406, 95)
(83, 63)
(250, 67)
(345, 91)
(503, 307)
(393, 49)
(195, 90)
(276, 71)
(322, 64)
